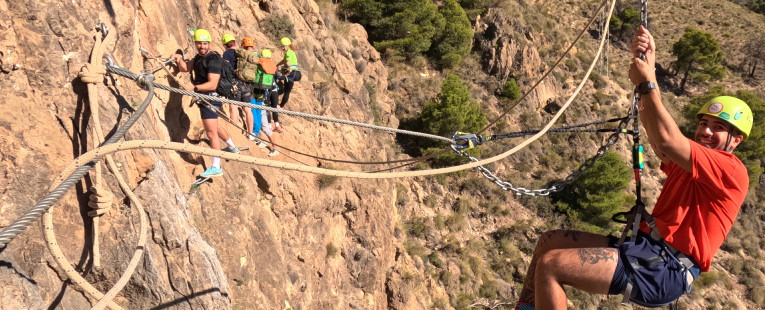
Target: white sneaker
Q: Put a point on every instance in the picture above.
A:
(273, 153)
(262, 144)
(251, 137)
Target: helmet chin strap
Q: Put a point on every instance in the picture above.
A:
(728, 140)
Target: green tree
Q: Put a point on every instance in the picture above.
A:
(626, 19)
(453, 110)
(363, 12)
(754, 49)
(752, 151)
(453, 43)
(598, 192)
(698, 56)
(407, 26)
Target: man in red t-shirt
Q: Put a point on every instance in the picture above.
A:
(700, 199)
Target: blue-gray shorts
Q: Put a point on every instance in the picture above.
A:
(658, 278)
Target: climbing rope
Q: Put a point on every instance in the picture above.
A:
(63, 185)
(126, 73)
(555, 65)
(80, 166)
(568, 180)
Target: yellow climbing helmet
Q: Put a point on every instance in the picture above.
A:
(227, 38)
(265, 53)
(201, 35)
(286, 41)
(731, 109)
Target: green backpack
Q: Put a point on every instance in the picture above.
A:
(264, 76)
(246, 64)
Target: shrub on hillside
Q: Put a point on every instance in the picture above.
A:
(510, 90)
(279, 26)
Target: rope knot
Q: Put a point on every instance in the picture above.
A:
(144, 79)
(91, 73)
(100, 200)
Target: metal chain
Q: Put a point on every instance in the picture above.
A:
(557, 187)
(644, 13)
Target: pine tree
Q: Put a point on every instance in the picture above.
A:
(453, 43)
(698, 56)
(454, 111)
(407, 26)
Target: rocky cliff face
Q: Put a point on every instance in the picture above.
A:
(256, 238)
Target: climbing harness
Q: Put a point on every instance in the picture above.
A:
(638, 213)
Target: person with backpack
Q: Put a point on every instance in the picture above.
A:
(206, 68)
(245, 90)
(699, 202)
(291, 73)
(272, 95)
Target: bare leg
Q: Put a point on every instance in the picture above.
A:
(249, 119)
(548, 253)
(223, 134)
(233, 113)
(211, 129)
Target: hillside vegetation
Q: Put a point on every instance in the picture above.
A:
(475, 239)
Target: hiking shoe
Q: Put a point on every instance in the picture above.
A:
(523, 305)
(278, 129)
(251, 137)
(234, 149)
(262, 144)
(273, 153)
(211, 172)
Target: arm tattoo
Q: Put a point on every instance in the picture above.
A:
(595, 255)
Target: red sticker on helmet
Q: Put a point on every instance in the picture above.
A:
(715, 108)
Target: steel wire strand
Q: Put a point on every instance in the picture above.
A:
(86, 158)
(138, 144)
(18, 226)
(514, 104)
(80, 283)
(131, 75)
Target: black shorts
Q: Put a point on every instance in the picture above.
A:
(207, 112)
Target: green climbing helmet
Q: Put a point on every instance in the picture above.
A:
(201, 35)
(286, 41)
(731, 109)
(227, 38)
(265, 53)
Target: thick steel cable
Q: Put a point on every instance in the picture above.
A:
(18, 226)
(86, 160)
(180, 147)
(131, 75)
(80, 283)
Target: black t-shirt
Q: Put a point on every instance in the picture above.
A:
(230, 56)
(210, 63)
